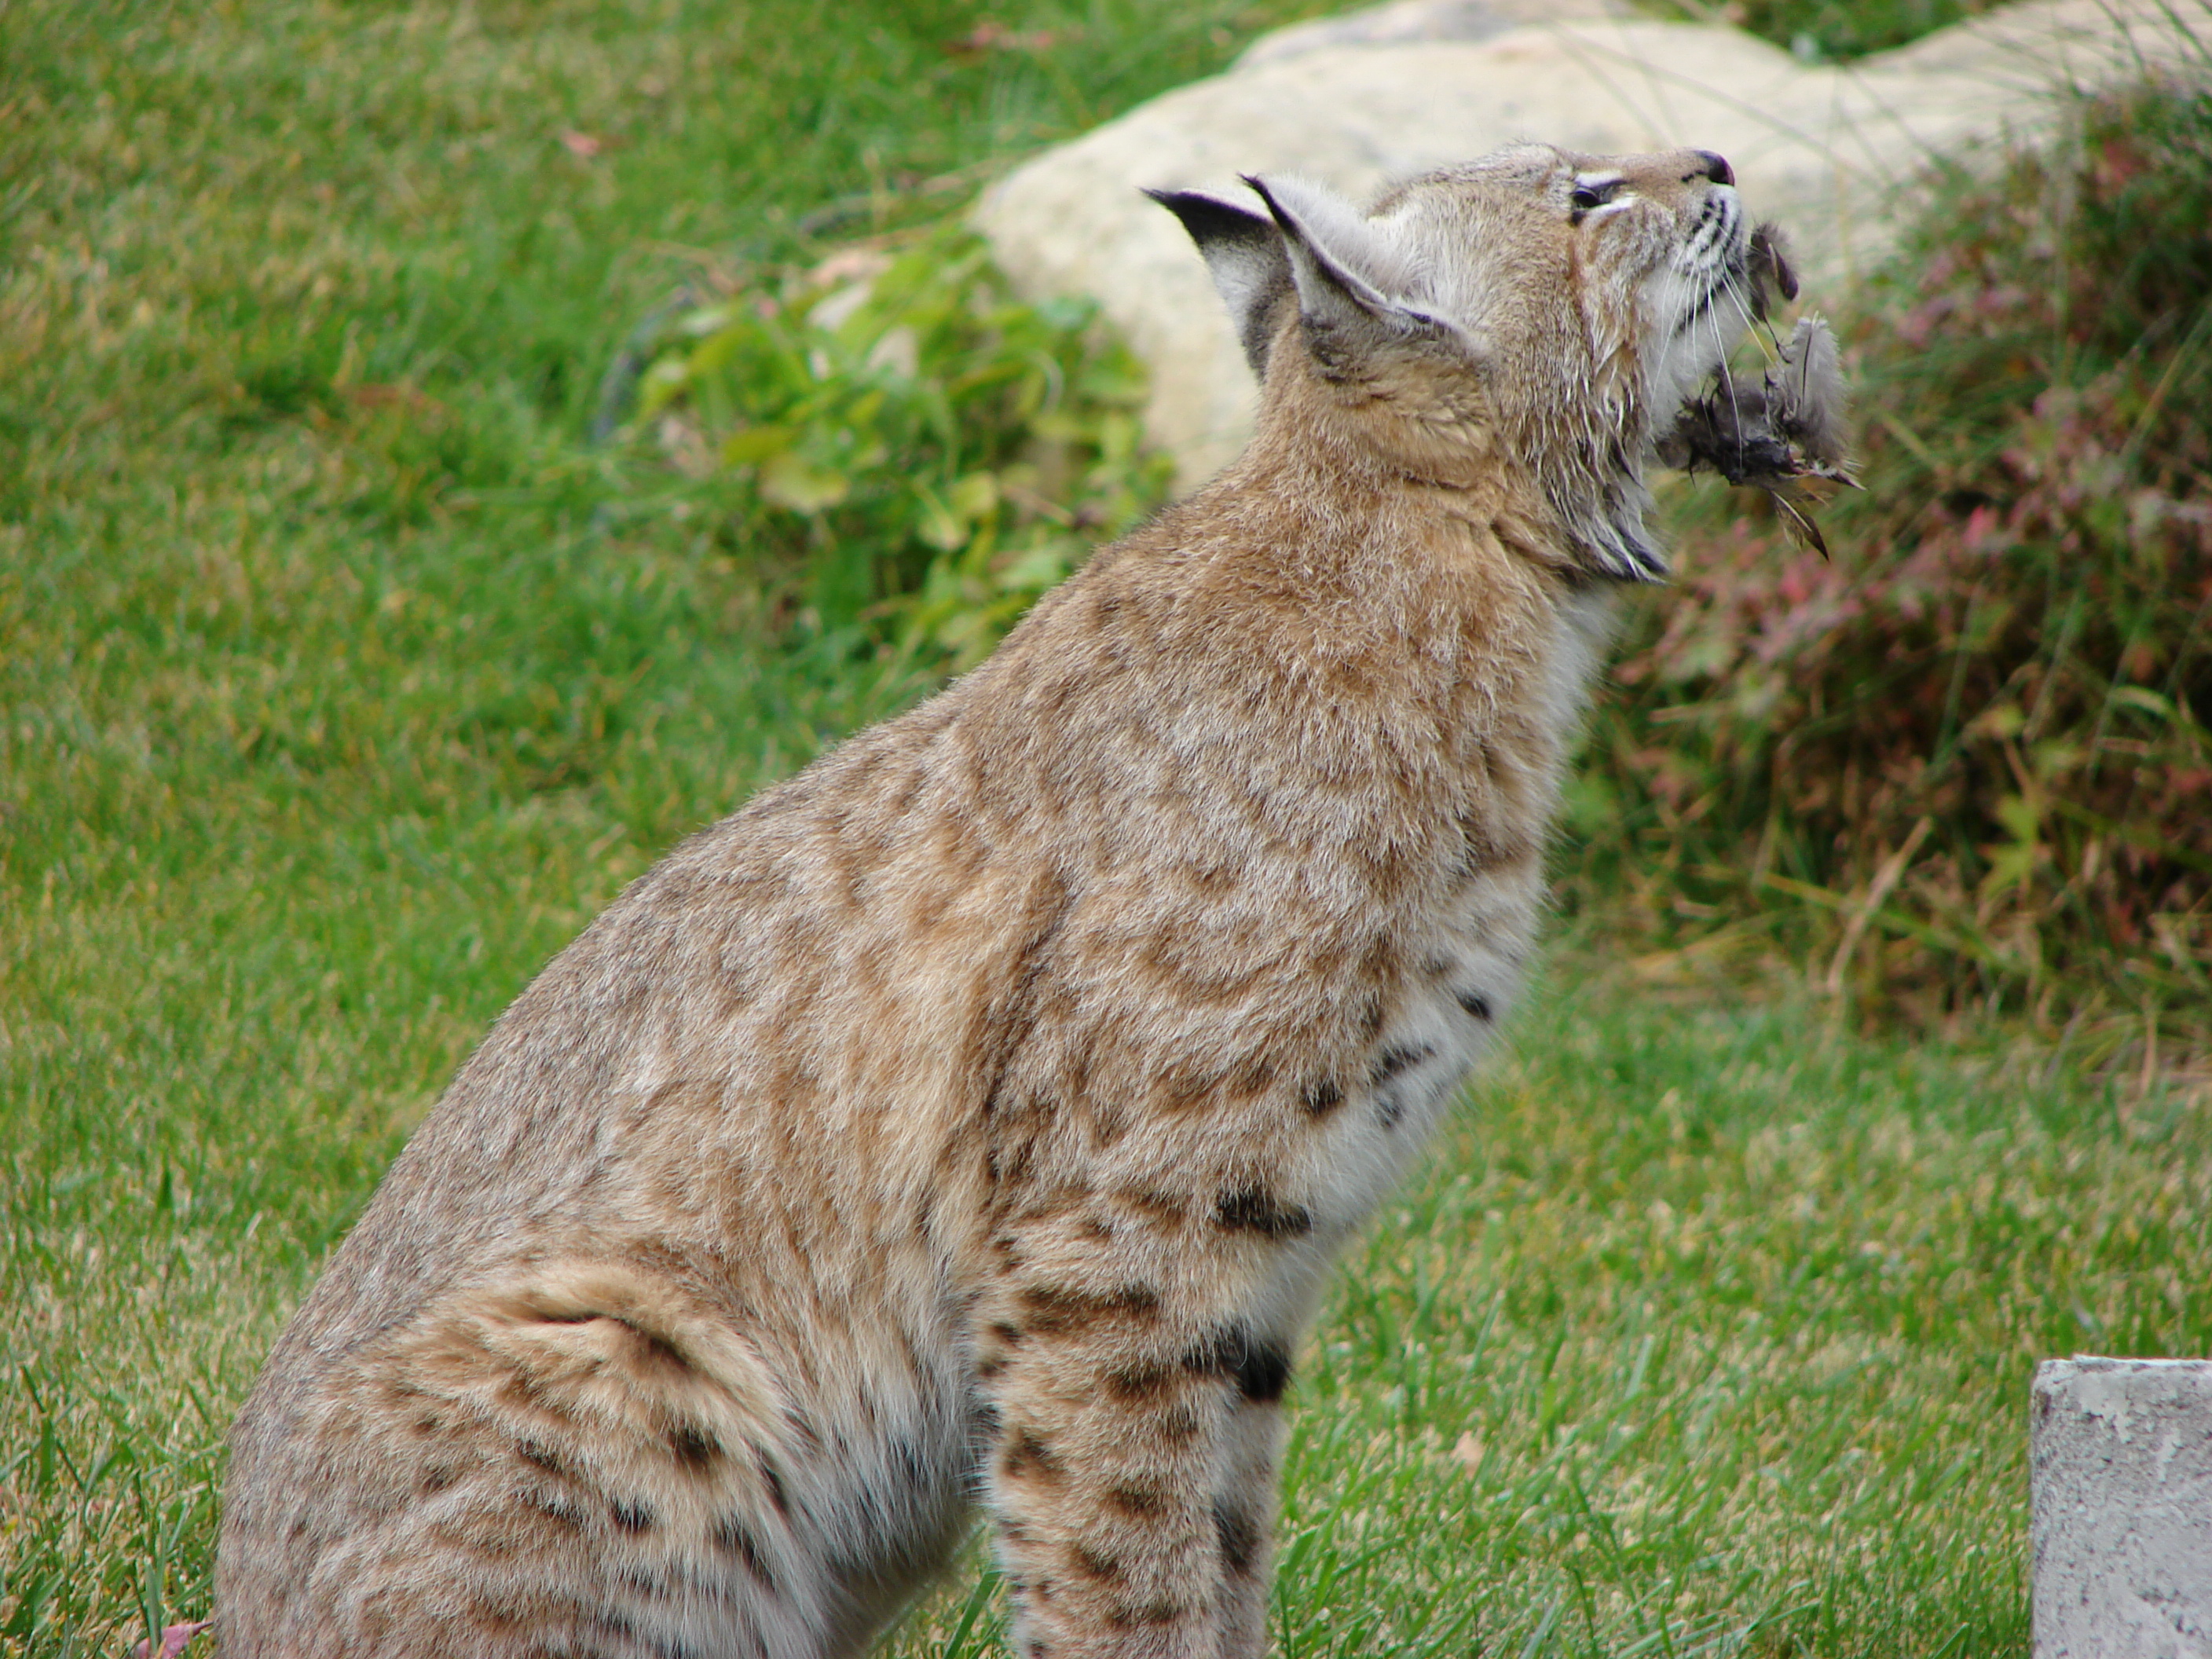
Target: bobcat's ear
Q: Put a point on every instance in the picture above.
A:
(1347, 274)
(1244, 255)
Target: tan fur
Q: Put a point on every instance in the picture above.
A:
(976, 1115)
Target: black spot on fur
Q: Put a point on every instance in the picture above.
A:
(605, 1621)
(1030, 1454)
(1217, 1353)
(1094, 1563)
(1239, 1537)
(1323, 1098)
(1260, 1367)
(772, 1477)
(733, 1537)
(1253, 1209)
(693, 1448)
(1161, 1209)
(543, 1456)
(1020, 1158)
(1475, 1003)
(553, 1507)
(645, 1582)
(983, 1424)
(1388, 1111)
(632, 1514)
(1060, 1308)
(1264, 1373)
(1137, 1500)
(1129, 1614)
(1179, 1424)
(1142, 1381)
(436, 1479)
(628, 1638)
(803, 1426)
(1399, 1057)
(913, 1466)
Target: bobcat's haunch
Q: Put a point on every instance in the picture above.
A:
(974, 1116)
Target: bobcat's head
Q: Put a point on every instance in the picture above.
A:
(1537, 309)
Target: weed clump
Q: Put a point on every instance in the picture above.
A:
(1838, 30)
(911, 455)
(1965, 764)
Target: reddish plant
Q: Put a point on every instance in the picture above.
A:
(1967, 762)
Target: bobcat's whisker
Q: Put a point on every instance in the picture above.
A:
(1759, 328)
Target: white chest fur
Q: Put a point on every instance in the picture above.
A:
(1469, 960)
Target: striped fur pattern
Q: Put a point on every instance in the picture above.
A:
(973, 1117)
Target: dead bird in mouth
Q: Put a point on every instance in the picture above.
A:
(1784, 433)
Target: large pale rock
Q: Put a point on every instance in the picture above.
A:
(2120, 1480)
(1832, 152)
(1403, 22)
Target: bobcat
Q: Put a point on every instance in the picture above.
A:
(975, 1116)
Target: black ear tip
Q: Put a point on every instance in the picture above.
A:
(1274, 208)
(1211, 221)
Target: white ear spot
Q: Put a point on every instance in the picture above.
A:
(1362, 248)
(1352, 277)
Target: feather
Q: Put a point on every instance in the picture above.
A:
(1769, 268)
(1786, 433)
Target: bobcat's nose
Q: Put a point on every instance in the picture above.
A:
(1716, 166)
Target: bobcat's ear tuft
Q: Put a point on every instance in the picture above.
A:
(1348, 275)
(1244, 256)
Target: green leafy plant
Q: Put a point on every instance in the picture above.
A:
(1834, 30)
(922, 453)
(1967, 762)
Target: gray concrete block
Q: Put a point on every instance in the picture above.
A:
(2120, 1472)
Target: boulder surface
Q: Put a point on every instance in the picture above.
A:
(1832, 152)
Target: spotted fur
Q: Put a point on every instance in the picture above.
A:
(974, 1116)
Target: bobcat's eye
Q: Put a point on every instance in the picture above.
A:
(1589, 193)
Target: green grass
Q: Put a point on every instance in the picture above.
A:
(341, 681)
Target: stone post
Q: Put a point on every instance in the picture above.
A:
(2120, 1456)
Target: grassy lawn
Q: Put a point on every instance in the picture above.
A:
(338, 687)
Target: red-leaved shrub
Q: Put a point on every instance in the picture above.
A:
(1965, 762)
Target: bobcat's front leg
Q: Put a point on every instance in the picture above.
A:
(1131, 1378)
(1244, 1507)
